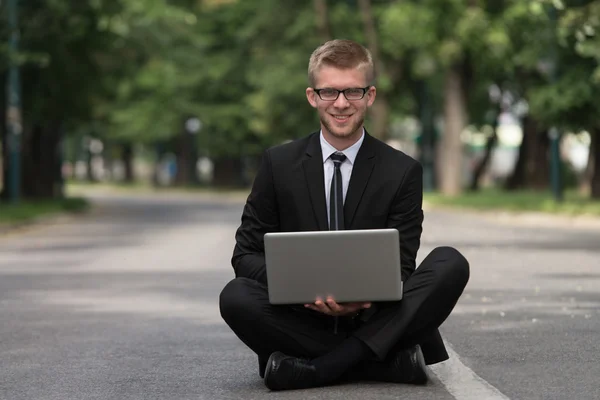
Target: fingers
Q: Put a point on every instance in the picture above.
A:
(320, 306)
(331, 307)
(335, 307)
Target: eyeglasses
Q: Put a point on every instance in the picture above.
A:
(329, 94)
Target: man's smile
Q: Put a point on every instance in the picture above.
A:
(341, 118)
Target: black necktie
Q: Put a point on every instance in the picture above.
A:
(336, 194)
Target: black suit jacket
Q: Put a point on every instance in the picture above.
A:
(288, 194)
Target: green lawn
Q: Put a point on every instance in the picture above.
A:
(573, 203)
(28, 210)
(145, 187)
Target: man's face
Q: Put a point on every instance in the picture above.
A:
(341, 118)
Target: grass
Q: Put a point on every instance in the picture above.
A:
(522, 201)
(147, 187)
(26, 211)
(136, 186)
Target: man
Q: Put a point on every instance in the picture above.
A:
(325, 342)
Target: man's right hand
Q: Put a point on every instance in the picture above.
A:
(330, 307)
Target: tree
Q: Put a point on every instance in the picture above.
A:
(60, 82)
(381, 108)
(322, 19)
(524, 68)
(578, 29)
(446, 42)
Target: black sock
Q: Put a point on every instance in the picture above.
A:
(346, 355)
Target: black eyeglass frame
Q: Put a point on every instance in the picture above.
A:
(364, 89)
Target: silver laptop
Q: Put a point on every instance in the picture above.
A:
(349, 265)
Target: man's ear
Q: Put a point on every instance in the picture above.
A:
(371, 94)
(311, 96)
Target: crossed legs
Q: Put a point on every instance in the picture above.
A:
(430, 294)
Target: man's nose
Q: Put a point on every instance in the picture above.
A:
(341, 101)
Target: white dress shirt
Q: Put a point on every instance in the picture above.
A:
(345, 168)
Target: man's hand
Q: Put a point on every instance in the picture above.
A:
(330, 307)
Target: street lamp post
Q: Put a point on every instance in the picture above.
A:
(13, 110)
(548, 66)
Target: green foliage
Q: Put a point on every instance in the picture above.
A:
(570, 102)
(153, 93)
(277, 70)
(61, 77)
(407, 26)
(135, 70)
(579, 28)
(569, 96)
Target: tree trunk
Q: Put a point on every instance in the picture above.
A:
(450, 169)
(538, 166)
(127, 159)
(380, 110)
(490, 145)
(159, 152)
(227, 172)
(426, 107)
(89, 170)
(322, 20)
(531, 170)
(185, 160)
(516, 179)
(41, 153)
(482, 165)
(595, 162)
(585, 183)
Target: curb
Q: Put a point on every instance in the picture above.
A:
(525, 218)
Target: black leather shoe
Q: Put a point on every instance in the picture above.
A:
(406, 366)
(286, 373)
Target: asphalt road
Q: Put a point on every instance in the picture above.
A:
(122, 304)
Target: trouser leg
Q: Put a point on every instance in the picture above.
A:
(429, 296)
(266, 328)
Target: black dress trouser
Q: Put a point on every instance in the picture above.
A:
(430, 294)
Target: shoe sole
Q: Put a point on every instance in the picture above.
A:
(268, 372)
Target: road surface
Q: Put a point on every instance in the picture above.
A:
(122, 304)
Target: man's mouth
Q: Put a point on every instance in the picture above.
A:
(341, 118)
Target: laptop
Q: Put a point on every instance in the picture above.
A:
(349, 265)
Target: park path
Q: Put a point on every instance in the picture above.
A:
(122, 304)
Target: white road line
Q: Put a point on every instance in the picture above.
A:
(462, 382)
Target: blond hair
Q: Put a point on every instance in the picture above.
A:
(343, 54)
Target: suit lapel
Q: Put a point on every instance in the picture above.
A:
(315, 179)
(361, 172)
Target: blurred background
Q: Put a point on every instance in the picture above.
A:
(498, 99)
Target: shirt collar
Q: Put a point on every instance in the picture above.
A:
(350, 152)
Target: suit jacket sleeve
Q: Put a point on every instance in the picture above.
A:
(406, 215)
(259, 217)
